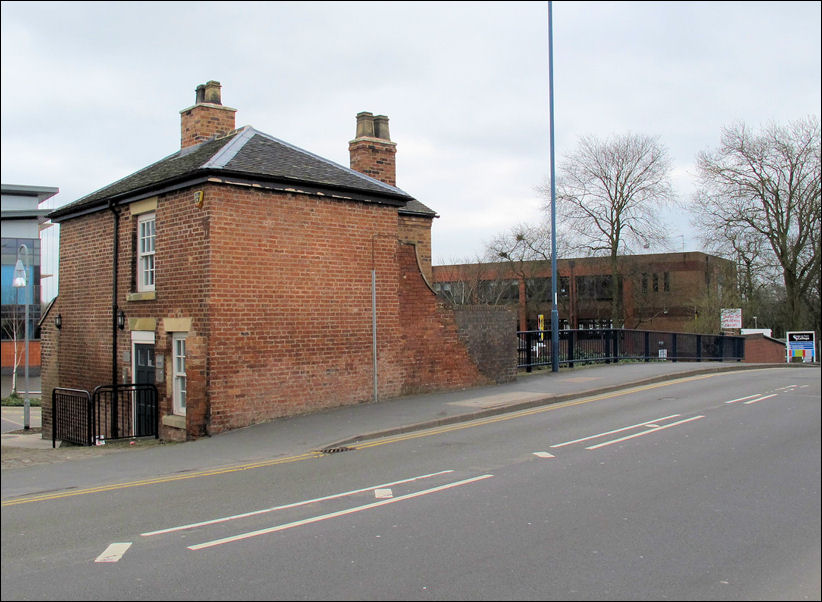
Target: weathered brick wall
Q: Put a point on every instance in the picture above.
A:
(201, 122)
(489, 334)
(417, 231)
(274, 290)
(49, 342)
(182, 285)
(375, 158)
(84, 342)
(79, 355)
(429, 348)
(291, 303)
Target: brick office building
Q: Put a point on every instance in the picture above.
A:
(663, 291)
(244, 276)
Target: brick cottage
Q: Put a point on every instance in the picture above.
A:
(255, 280)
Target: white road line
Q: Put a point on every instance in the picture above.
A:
(294, 505)
(644, 433)
(633, 426)
(383, 494)
(760, 399)
(314, 519)
(542, 454)
(114, 552)
(743, 398)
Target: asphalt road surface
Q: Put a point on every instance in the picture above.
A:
(701, 490)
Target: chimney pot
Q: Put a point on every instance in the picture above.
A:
(381, 127)
(212, 92)
(208, 118)
(365, 125)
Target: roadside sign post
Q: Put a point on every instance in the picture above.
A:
(800, 346)
(730, 319)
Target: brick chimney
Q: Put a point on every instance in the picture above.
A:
(208, 118)
(372, 152)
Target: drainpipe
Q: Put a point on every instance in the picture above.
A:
(114, 418)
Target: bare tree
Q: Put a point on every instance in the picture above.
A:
(608, 196)
(13, 326)
(761, 191)
(523, 252)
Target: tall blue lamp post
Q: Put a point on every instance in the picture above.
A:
(554, 309)
(22, 280)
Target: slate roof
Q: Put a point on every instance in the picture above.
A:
(247, 154)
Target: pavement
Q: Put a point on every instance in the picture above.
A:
(30, 465)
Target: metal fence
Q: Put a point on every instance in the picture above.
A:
(72, 417)
(579, 347)
(121, 412)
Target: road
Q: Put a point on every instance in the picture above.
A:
(707, 489)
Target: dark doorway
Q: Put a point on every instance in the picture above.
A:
(144, 373)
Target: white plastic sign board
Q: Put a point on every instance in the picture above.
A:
(801, 346)
(731, 318)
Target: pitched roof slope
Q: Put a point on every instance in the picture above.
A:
(245, 153)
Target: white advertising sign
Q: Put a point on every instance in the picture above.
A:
(731, 318)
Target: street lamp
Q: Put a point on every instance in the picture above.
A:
(554, 309)
(22, 280)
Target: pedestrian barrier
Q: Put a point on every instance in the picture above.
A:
(108, 413)
(612, 345)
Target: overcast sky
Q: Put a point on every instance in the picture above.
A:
(91, 91)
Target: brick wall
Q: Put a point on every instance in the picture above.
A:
(204, 121)
(274, 292)
(429, 350)
(290, 303)
(374, 157)
(489, 334)
(417, 231)
(760, 349)
(48, 371)
(79, 355)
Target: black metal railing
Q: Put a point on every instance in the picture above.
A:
(578, 347)
(71, 416)
(122, 412)
(131, 412)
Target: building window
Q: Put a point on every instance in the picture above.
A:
(595, 287)
(656, 283)
(666, 282)
(146, 234)
(179, 373)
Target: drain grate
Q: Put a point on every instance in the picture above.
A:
(337, 450)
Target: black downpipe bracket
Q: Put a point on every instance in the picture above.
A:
(114, 401)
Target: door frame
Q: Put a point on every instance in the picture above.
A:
(140, 337)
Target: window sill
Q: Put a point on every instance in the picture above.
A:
(146, 296)
(174, 421)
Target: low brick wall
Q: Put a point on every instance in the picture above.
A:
(760, 349)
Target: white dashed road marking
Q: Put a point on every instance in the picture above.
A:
(114, 552)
